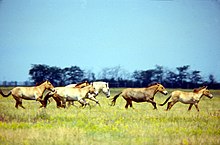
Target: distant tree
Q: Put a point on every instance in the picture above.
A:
(158, 74)
(182, 75)
(144, 77)
(89, 75)
(72, 74)
(171, 79)
(211, 79)
(55, 75)
(39, 72)
(196, 78)
(114, 73)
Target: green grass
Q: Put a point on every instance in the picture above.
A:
(110, 125)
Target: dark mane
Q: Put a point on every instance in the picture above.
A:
(152, 84)
(39, 83)
(81, 83)
(198, 89)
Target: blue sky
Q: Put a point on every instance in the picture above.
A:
(94, 34)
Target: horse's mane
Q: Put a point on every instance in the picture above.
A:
(39, 83)
(152, 84)
(80, 83)
(198, 89)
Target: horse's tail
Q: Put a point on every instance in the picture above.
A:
(166, 100)
(115, 98)
(5, 95)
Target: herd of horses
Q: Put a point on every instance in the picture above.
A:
(46, 92)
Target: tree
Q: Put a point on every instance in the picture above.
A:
(144, 77)
(158, 74)
(114, 73)
(182, 75)
(72, 74)
(39, 72)
(171, 78)
(89, 75)
(195, 78)
(55, 75)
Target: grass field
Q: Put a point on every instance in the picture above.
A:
(108, 125)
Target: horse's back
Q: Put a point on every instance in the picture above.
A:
(71, 85)
(23, 92)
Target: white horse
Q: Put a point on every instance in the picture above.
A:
(102, 87)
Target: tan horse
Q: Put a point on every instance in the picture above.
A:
(79, 85)
(191, 98)
(140, 94)
(29, 93)
(64, 94)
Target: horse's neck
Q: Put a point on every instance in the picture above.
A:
(199, 95)
(41, 88)
(152, 90)
(85, 90)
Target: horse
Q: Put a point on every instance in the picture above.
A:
(29, 93)
(102, 87)
(99, 87)
(140, 95)
(78, 85)
(191, 98)
(64, 94)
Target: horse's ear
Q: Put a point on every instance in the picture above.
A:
(205, 87)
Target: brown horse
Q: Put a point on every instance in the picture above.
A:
(29, 93)
(191, 98)
(140, 94)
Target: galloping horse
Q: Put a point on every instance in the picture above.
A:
(191, 98)
(29, 93)
(79, 85)
(140, 94)
(64, 94)
(99, 87)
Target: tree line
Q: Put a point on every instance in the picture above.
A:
(181, 77)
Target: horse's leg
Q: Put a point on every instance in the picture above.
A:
(64, 103)
(20, 103)
(69, 103)
(94, 99)
(153, 103)
(190, 106)
(196, 105)
(131, 105)
(16, 104)
(84, 103)
(170, 105)
(127, 104)
(43, 103)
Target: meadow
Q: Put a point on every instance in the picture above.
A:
(108, 125)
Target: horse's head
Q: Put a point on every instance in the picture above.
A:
(49, 86)
(106, 90)
(161, 89)
(92, 90)
(207, 93)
